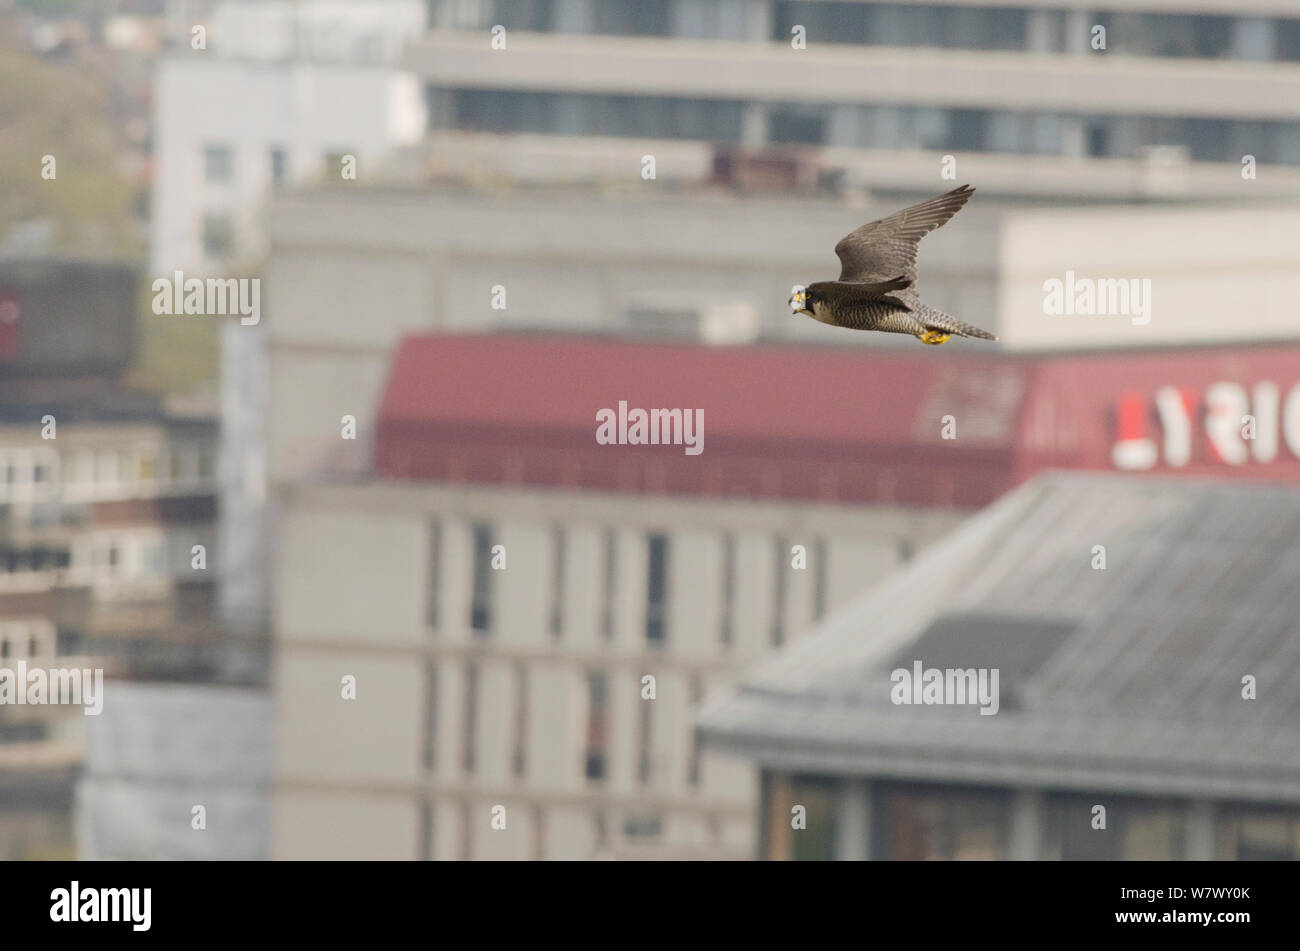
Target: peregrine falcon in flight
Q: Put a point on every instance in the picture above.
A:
(876, 289)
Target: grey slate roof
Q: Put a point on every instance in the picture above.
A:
(1126, 679)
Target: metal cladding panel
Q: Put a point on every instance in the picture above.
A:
(1125, 678)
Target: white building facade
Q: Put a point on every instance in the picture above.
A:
(525, 686)
(278, 95)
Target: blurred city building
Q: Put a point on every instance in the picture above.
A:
(498, 708)
(520, 685)
(880, 92)
(530, 213)
(283, 92)
(104, 494)
(698, 263)
(280, 93)
(1160, 683)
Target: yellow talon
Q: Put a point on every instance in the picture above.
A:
(934, 337)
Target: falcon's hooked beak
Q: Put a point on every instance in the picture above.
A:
(798, 303)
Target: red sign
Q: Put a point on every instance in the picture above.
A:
(1233, 424)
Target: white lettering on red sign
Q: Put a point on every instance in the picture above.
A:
(1226, 407)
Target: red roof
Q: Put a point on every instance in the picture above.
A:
(796, 422)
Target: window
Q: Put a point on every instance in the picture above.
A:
(145, 466)
(557, 589)
(205, 464)
(488, 110)
(520, 758)
(656, 588)
(334, 162)
(539, 836)
(1098, 140)
(435, 568)
(466, 825)
(816, 840)
(914, 822)
(633, 17)
(728, 587)
(218, 236)
(430, 712)
(426, 830)
(819, 579)
(607, 588)
(646, 738)
(642, 826)
(471, 715)
(596, 726)
(68, 642)
(778, 593)
(481, 602)
(278, 166)
(693, 765)
(1249, 833)
(1142, 829)
(803, 126)
(218, 164)
(1018, 647)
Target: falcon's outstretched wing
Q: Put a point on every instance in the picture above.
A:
(886, 249)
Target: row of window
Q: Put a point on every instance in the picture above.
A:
(890, 24)
(915, 822)
(24, 640)
(219, 164)
(105, 556)
(219, 168)
(634, 826)
(1041, 31)
(864, 126)
(42, 474)
(596, 738)
(658, 552)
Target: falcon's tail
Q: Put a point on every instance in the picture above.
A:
(937, 320)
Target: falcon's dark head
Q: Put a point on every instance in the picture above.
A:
(801, 301)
